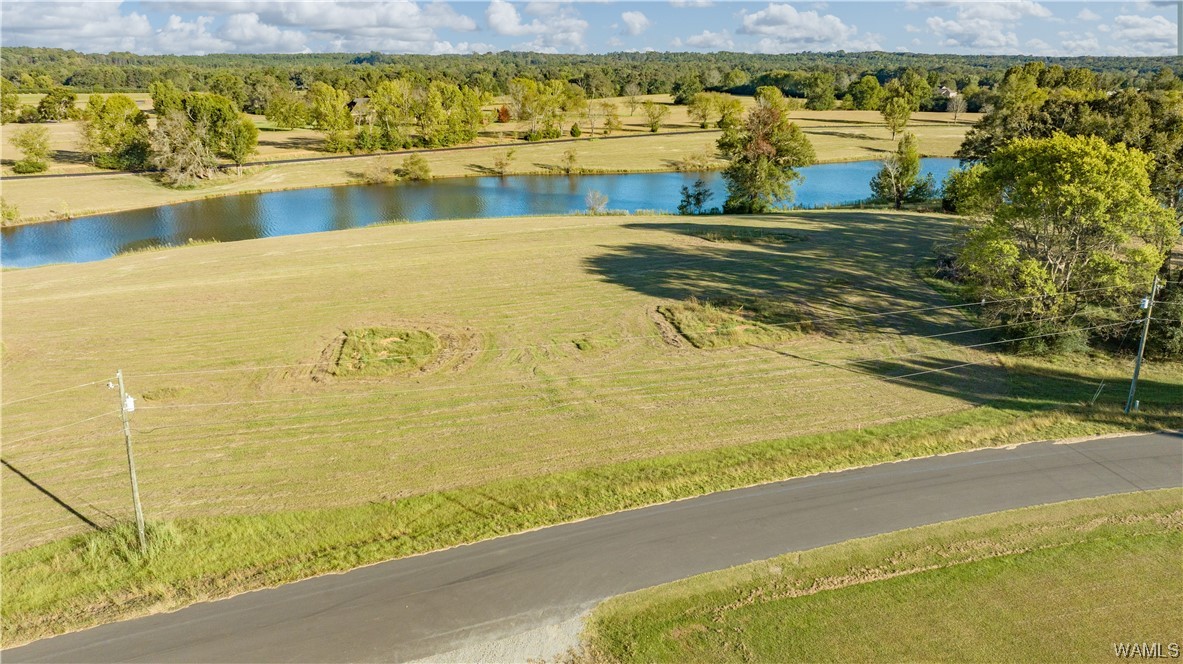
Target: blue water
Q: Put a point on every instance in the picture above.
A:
(313, 210)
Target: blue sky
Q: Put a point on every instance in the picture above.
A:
(408, 26)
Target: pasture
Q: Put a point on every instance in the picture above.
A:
(545, 384)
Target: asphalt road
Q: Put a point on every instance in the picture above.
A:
(415, 607)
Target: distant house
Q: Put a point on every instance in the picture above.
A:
(359, 108)
(946, 92)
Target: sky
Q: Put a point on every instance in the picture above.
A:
(1027, 27)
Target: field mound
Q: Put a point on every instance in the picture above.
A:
(394, 349)
(739, 321)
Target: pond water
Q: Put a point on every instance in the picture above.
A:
(251, 216)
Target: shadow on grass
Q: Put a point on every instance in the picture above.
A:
(852, 265)
(1029, 388)
(51, 495)
(483, 170)
(842, 134)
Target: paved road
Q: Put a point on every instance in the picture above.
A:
(438, 602)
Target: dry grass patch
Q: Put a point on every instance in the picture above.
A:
(738, 321)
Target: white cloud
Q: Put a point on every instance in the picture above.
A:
(247, 31)
(783, 28)
(1085, 44)
(1087, 14)
(709, 41)
(635, 22)
(557, 27)
(691, 3)
(985, 26)
(1147, 35)
(85, 26)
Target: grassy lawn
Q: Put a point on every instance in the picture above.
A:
(836, 136)
(552, 388)
(1061, 582)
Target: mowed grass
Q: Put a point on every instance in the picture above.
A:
(1062, 582)
(836, 136)
(556, 393)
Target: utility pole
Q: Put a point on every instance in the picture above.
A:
(126, 405)
(1148, 305)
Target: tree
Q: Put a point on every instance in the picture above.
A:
(632, 93)
(597, 202)
(10, 102)
(611, 117)
(655, 114)
(685, 88)
(956, 106)
(866, 94)
(765, 151)
(241, 141)
(899, 180)
(392, 109)
(502, 163)
(57, 104)
(330, 114)
(231, 87)
(730, 111)
(166, 98)
(259, 88)
(570, 161)
(287, 110)
(819, 91)
(896, 113)
(115, 132)
(695, 197)
(181, 148)
(1069, 225)
(700, 108)
(33, 142)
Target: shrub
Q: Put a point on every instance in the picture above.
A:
(597, 202)
(503, 114)
(415, 168)
(576, 132)
(8, 212)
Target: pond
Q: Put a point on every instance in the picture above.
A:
(294, 212)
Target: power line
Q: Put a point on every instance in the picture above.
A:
(45, 394)
(64, 426)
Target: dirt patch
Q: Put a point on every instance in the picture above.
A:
(669, 333)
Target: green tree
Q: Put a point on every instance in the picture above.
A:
(764, 152)
(819, 91)
(730, 110)
(1067, 224)
(329, 113)
(392, 110)
(241, 141)
(166, 98)
(701, 107)
(115, 132)
(9, 101)
(899, 180)
(896, 113)
(866, 94)
(33, 142)
(570, 161)
(259, 88)
(287, 110)
(611, 117)
(230, 86)
(685, 88)
(655, 114)
(57, 104)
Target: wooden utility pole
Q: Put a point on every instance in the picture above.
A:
(125, 404)
(1149, 302)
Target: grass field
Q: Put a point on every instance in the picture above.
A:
(553, 389)
(1062, 582)
(836, 135)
